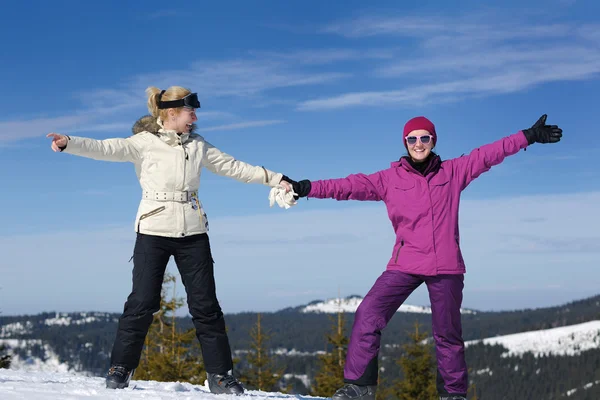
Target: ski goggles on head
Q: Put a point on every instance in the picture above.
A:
(189, 101)
(425, 139)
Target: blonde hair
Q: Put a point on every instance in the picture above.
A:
(172, 93)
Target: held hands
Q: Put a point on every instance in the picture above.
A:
(302, 188)
(288, 191)
(283, 194)
(542, 133)
(59, 142)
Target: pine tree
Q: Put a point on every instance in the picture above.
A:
(418, 367)
(384, 391)
(169, 354)
(330, 375)
(261, 373)
(474, 389)
(5, 359)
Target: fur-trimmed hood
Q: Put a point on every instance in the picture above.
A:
(149, 123)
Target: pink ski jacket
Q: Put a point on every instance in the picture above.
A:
(423, 209)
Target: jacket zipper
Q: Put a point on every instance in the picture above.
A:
(185, 159)
(432, 224)
(149, 214)
(398, 251)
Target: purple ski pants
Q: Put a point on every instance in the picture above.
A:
(390, 290)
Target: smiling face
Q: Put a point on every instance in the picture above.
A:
(181, 119)
(418, 150)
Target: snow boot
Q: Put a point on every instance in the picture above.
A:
(224, 384)
(350, 391)
(118, 377)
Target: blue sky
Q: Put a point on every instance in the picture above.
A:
(315, 90)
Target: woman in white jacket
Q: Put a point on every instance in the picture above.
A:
(170, 221)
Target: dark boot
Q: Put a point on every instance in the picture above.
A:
(452, 397)
(118, 377)
(224, 384)
(351, 391)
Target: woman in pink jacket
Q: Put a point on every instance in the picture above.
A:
(422, 195)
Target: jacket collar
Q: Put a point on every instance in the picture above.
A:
(169, 136)
(434, 164)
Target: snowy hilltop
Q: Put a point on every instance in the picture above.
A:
(20, 384)
(566, 340)
(351, 303)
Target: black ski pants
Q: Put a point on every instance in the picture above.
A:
(195, 263)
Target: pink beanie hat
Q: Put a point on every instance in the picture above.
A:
(419, 123)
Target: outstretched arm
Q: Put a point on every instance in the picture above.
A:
(354, 187)
(223, 164)
(482, 159)
(117, 149)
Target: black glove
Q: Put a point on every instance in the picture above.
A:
(542, 133)
(301, 188)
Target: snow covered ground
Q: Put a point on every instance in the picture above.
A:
(30, 385)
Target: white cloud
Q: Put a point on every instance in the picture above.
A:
(325, 56)
(238, 78)
(373, 26)
(89, 119)
(497, 82)
(473, 27)
(109, 127)
(590, 33)
(11, 131)
(245, 78)
(241, 125)
(473, 55)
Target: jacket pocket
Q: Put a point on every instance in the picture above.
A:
(149, 214)
(398, 251)
(440, 179)
(404, 185)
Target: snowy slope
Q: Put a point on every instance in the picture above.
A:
(17, 384)
(566, 340)
(49, 363)
(78, 318)
(350, 304)
(16, 328)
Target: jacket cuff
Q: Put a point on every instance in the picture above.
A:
(271, 178)
(528, 140)
(62, 148)
(275, 179)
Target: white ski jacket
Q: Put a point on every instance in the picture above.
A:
(168, 167)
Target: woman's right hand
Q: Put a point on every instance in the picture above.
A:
(59, 142)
